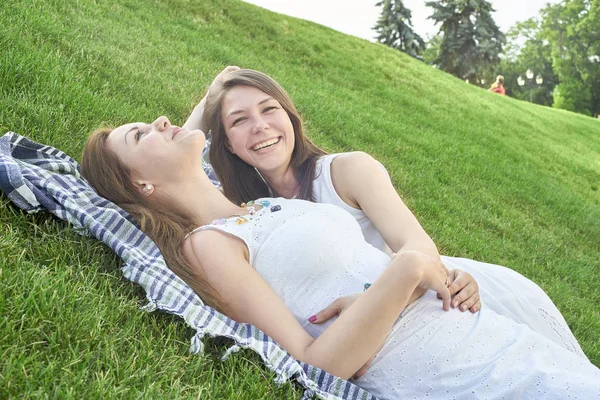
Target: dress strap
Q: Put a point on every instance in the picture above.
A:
(192, 232)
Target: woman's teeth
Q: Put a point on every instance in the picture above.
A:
(265, 144)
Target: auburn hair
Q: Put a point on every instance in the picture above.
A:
(241, 182)
(101, 167)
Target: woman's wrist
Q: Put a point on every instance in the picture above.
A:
(412, 259)
(405, 271)
(411, 263)
(195, 121)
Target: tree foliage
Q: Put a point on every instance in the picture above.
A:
(526, 49)
(394, 28)
(572, 28)
(432, 49)
(471, 40)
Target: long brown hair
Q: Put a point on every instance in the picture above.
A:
(113, 181)
(241, 182)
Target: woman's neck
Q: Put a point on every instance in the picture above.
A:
(201, 201)
(283, 184)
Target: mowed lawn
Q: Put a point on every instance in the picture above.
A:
(490, 178)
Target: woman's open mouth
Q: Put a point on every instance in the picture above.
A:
(266, 144)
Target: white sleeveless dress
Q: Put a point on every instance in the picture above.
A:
(501, 289)
(310, 254)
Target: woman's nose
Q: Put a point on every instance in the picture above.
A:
(161, 123)
(260, 125)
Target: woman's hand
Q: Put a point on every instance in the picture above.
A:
(335, 309)
(221, 77)
(195, 120)
(465, 290)
(433, 274)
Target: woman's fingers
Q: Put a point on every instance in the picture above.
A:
(221, 76)
(367, 365)
(444, 293)
(476, 307)
(363, 369)
(227, 70)
(461, 280)
(470, 302)
(334, 309)
(466, 289)
(465, 293)
(441, 287)
(327, 313)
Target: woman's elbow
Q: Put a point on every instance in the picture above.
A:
(327, 363)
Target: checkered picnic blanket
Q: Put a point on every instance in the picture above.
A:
(37, 177)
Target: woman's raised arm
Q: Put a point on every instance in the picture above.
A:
(344, 346)
(195, 120)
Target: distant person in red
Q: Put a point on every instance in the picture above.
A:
(498, 86)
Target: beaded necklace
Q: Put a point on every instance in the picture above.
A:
(251, 207)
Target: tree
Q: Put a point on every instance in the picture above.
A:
(526, 49)
(394, 28)
(471, 42)
(432, 50)
(572, 29)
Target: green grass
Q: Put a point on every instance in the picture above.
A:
(490, 178)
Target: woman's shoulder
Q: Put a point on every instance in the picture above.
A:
(346, 158)
(327, 158)
(205, 240)
(352, 162)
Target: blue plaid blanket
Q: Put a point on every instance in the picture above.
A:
(37, 177)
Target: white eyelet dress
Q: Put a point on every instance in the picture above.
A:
(310, 254)
(501, 289)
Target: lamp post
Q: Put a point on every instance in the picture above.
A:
(529, 75)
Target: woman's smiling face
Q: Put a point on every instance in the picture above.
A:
(258, 129)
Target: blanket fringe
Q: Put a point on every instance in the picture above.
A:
(149, 307)
(197, 346)
(233, 349)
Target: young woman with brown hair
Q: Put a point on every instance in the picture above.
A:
(252, 144)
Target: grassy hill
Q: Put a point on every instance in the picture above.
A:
(490, 178)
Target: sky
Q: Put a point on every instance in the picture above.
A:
(357, 17)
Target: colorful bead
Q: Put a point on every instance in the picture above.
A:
(251, 210)
(251, 202)
(275, 208)
(241, 220)
(243, 205)
(220, 221)
(367, 285)
(265, 203)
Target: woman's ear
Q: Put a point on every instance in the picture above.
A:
(230, 148)
(145, 188)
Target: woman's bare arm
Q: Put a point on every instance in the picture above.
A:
(195, 120)
(344, 346)
(361, 182)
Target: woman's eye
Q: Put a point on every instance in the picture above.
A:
(138, 135)
(237, 121)
(271, 108)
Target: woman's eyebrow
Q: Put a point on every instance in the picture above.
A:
(135, 127)
(265, 100)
